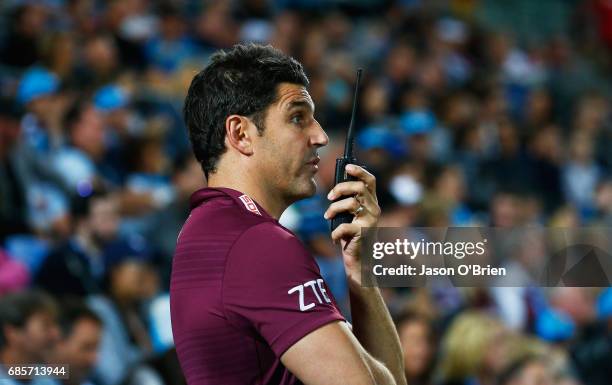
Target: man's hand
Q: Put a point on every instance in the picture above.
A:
(372, 324)
(360, 201)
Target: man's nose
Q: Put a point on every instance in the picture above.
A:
(54, 334)
(319, 137)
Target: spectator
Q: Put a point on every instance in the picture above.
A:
(581, 174)
(474, 348)
(509, 169)
(59, 55)
(546, 157)
(101, 63)
(81, 331)
(417, 338)
(186, 178)
(505, 209)
(126, 343)
(29, 328)
(172, 47)
(604, 201)
(450, 187)
(592, 350)
(38, 92)
(13, 205)
(78, 266)
(86, 145)
(21, 46)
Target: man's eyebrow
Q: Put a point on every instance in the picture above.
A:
(300, 104)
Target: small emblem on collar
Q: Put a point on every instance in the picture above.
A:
(249, 204)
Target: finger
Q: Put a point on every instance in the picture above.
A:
(363, 175)
(347, 189)
(345, 205)
(345, 231)
(365, 197)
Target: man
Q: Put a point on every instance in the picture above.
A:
(46, 195)
(248, 303)
(28, 331)
(77, 266)
(126, 342)
(81, 331)
(13, 206)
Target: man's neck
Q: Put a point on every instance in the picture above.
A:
(271, 202)
(58, 359)
(10, 357)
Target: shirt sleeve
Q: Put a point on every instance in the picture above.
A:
(272, 287)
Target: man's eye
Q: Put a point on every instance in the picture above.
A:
(296, 119)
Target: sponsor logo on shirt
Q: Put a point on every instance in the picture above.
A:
(317, 287)
(249, 204)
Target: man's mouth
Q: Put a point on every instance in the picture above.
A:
(313, 163)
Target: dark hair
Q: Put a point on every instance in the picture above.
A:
(9, 109)
(72, 311)
(135, 151)
(167, 9)
(80, 207)
(409, 315)
(240, 81)
(17, 308)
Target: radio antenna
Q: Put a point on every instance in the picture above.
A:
(348, 145)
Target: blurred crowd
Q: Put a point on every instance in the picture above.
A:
(471, 113)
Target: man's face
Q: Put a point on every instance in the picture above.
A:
(104, 219)
(88, 133)
(80, 349)
(37, 339)
(130, 281)
(287, 150)
(415, 340)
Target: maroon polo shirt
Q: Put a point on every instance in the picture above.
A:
(243, 290)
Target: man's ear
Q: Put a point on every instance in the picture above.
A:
(238, 134)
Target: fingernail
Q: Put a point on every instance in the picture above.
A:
(325, 215)
(350, 167)
(330, 196)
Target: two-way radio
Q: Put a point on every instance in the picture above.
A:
(348, 158)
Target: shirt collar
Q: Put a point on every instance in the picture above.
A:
(241, 199)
